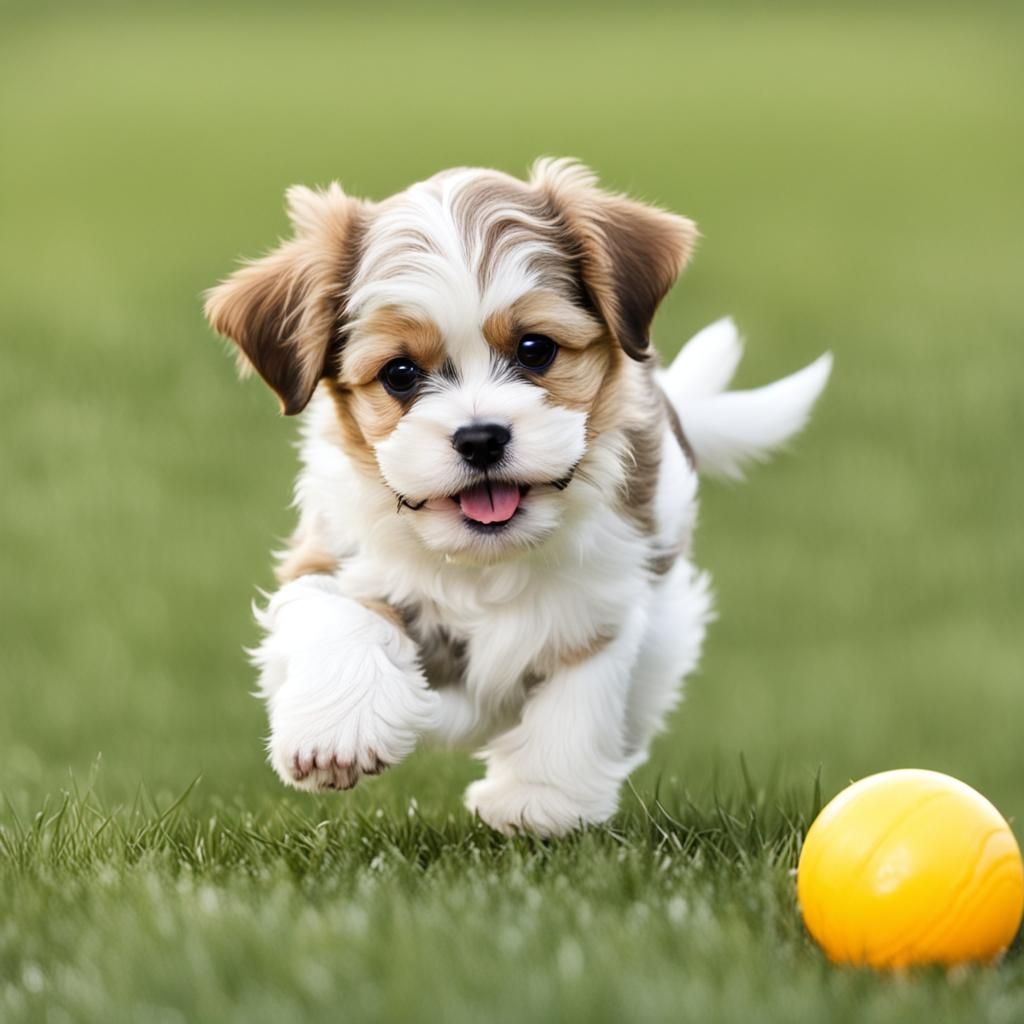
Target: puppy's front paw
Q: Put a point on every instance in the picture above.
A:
(510, 806)
(313, 769)
(359, 720)
(344, 690)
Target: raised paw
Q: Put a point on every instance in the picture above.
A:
(345, 693)
(316, 770)
(316, 748)
(330, 737)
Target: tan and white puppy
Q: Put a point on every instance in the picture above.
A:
(498, 484)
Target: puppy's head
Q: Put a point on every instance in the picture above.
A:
(476, 333)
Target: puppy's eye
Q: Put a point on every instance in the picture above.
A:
(536, 352)
(400, 377)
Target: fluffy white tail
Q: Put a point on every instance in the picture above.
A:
(729, 429)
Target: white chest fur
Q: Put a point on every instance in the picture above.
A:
(518, 619)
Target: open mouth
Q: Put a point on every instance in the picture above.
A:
(491, 505)
(488, 506)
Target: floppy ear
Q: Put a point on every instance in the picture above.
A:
(283, 311)
(630, 254)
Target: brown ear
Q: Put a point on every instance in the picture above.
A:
(630, 254)
(283, 310)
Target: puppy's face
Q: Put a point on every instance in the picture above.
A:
(474, 332)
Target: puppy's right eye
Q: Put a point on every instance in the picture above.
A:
(400, 377)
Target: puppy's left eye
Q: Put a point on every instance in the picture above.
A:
(536, 352)
(400, 377)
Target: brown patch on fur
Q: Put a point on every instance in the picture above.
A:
(628, 402)
(307, 553)
(376, 412)
(543, 311)
(386, 611)
(283, 311)
(385, 335)
(577, 377)
(613, 405)
(629, 253)
(675, 424)
(442, 655)
(349, 433)
(661, 563)
(366, 413)
(585, 355)
(495, 213)
(577, 655)
(641, 484)
(305, 557)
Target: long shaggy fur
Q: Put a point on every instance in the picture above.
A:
(552, 631)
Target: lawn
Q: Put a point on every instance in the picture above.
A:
(856, 176)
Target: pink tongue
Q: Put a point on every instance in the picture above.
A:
(494, 504)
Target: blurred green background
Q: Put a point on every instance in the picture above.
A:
(856, 174)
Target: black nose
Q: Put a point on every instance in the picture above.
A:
(481, 444)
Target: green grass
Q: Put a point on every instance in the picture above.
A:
(283, 914)
(856, 175)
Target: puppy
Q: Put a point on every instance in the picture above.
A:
(498, 484)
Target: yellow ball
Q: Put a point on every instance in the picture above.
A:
(911, 867)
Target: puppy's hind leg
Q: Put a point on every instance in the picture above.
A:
(345, 694)
(562, 765)
(680, 611)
